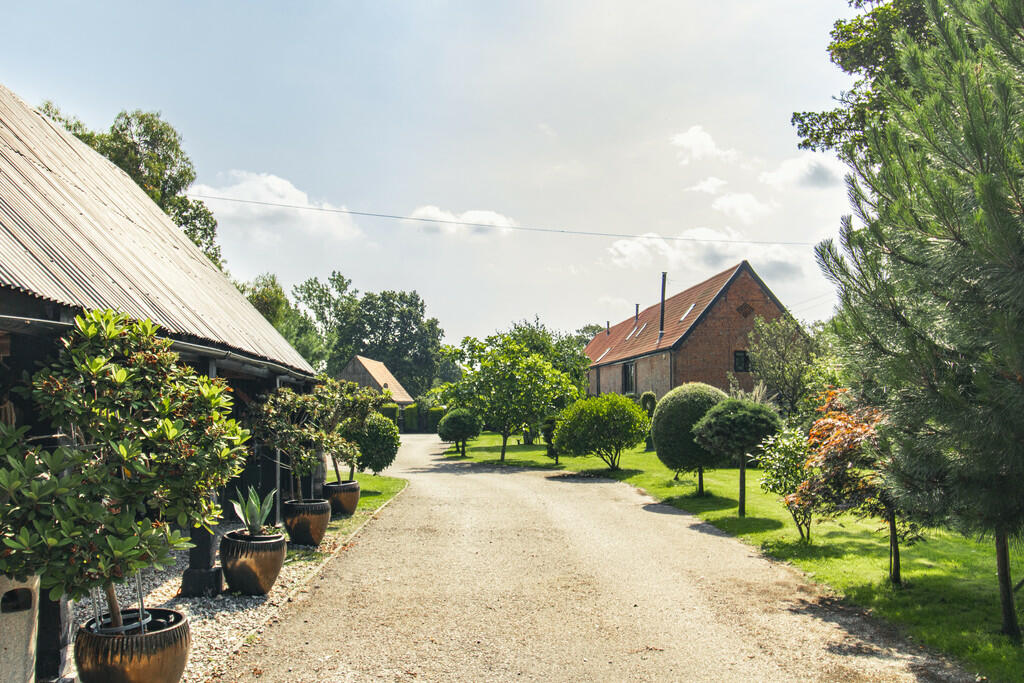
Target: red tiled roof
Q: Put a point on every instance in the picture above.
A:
(380, 374)
(631, 338)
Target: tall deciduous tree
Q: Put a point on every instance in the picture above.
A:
(863, 46)
(932, 287)
(564, 351)
(149, 150)
(268, 297)
(781, 354)
(508, 386)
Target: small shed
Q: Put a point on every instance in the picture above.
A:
(373, 373)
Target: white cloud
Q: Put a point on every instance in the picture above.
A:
(710, 185)
(451, 223)
(742, 206)
(704, 251)
(697, 144)
(269, 224)
(547, 130)
(808, 170)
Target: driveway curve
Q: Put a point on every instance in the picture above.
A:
(478, 573)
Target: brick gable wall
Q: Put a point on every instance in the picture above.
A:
(707, 354)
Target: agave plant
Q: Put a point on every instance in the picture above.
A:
(254, 512)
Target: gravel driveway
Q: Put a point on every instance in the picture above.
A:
(484, 574)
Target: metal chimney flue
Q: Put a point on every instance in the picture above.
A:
(661, 324)
(608, 327)
(636, 316)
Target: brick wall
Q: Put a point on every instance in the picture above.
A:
(707, 354)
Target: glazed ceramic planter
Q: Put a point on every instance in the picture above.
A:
(344, 496)
(157, 656)
(306, 520)
(251, 563)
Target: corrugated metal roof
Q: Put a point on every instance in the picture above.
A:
(75, 229)
(639, 336)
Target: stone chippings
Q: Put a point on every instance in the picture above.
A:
(219, 625)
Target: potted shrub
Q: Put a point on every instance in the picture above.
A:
(32, 480)
(343, 408)
(251, 558)
(150, 442)
(287, 421)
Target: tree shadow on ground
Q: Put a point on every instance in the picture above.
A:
(461, 466)
(365, 493)
(594, 476)
(694, 504)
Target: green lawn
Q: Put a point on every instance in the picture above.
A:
(374, 491)
(950, 599)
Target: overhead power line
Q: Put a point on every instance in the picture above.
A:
(490, 226)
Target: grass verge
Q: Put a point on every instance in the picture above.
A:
(949, 600)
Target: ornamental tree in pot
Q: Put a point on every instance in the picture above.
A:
(150, 442)
(32, 481)
(286, 420)
(342, 412)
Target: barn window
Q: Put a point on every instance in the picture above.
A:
(740, 361)
(629, 378)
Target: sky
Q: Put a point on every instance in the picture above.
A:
(666, 122)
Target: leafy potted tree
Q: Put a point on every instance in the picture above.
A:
(343, 408)
(150, 442)
(252, 558)
(287, 421)
(32, 482)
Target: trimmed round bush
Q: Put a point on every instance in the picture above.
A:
(648, 401)
(458, 426)
(603, 426)
(378, 443)
(672, 428)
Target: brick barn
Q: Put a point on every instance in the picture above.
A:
(697, 335)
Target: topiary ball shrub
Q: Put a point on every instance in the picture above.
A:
(672, 429)
(458, 426)
(648, 401)
(378, 443)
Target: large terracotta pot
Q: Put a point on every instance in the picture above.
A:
(306, 520)
(251, 563)
(344, 496)
(157, 656)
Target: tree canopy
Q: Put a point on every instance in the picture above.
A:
(603, 426)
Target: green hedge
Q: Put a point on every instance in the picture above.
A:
(390, 411)
(411, 418)
(434, 416)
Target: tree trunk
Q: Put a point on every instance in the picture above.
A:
(504, 440)
(895, 575)
(743, 485)
(337, 472)
(112, 607)
(700, 480)
(1010, 625)
(464, 448)
(352, 471)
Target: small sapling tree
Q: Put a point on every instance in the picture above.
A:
(459, 425)
(783, 461)
(672, 429)
(734, 428)
(603, 426)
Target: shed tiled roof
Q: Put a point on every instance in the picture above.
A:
(639, 337)
(384, 379)
(76, 230)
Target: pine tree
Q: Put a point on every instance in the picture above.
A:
(932, 282)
